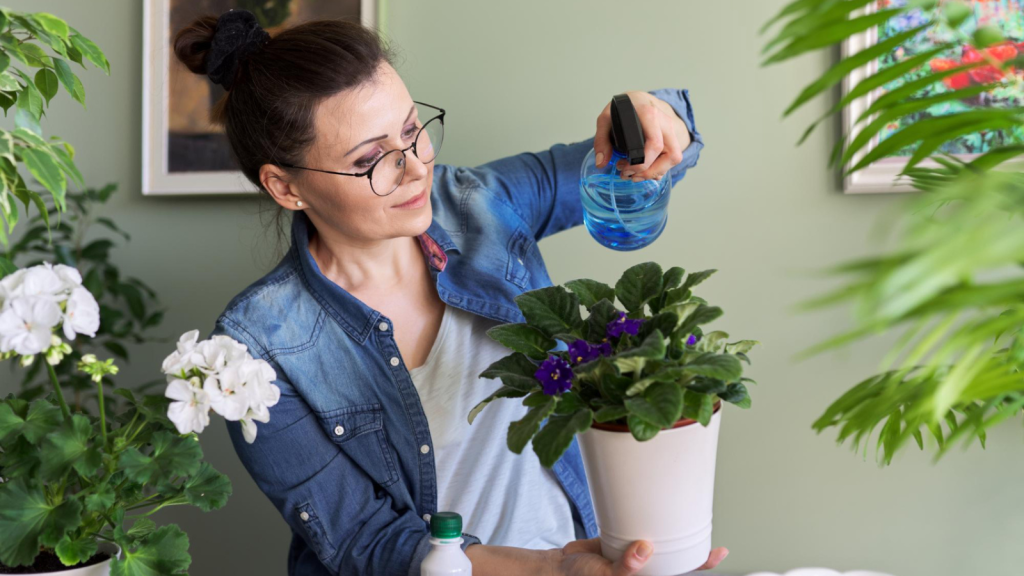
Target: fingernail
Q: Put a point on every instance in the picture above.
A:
(600, 159)
(627, 174)
(643, 550)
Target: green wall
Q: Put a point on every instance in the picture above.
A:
(517, 76)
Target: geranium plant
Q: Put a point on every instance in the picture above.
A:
(647, 366)
(70, 480)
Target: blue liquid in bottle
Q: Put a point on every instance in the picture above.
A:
(619, 213)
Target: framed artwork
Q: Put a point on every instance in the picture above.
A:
(182, 151)
(1008, 15)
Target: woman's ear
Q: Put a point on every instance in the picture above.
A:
(281, 186)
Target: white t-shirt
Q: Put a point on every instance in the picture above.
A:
(505, 499)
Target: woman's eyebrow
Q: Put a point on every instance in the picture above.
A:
(368, 140)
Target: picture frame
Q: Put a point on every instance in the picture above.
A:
(182, 152)
(883, 176)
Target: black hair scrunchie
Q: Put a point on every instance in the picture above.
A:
(238, 34)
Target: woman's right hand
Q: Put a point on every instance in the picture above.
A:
(583, 558)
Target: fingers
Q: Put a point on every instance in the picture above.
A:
(589, 546)
(716, 556)
(602, 140)
(633, 558)
(661, 150)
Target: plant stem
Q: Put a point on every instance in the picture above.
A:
(103, 414)
(60, 395)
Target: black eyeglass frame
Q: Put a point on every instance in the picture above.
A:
(369, 171)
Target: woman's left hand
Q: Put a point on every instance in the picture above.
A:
(665, 137)
(584, 557)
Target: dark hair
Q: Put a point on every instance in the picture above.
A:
(268, 113)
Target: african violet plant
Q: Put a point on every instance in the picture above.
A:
(69, 479)
(646, 367)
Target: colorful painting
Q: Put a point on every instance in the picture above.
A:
(1008, 16)
(183, 152)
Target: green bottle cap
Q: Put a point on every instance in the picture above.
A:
(446, 525)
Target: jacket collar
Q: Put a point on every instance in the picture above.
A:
(355, 317)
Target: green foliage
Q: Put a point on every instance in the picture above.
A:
(953, 283)
(24, 38)
(129, 308)
(648, 381)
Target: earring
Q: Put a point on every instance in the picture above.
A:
(298, 203)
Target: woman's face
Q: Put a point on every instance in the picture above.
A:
(354, 129)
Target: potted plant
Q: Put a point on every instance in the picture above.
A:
(78, 490)
(633, 384)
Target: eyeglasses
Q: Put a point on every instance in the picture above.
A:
(388, 171)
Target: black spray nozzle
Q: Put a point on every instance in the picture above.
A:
(627, 134)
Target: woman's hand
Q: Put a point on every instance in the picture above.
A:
(665, 137)
(583, 557)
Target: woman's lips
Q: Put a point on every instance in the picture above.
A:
(415, 202)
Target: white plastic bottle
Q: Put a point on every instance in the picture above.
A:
(446, 556)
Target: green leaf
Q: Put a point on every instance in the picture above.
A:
(653, 347)
(46, 171)
(553, 310)
(165, 551)
(521, 431)
(641, 429)
(720, 366)
(701, 315)
(72, 552)
(660, 405)
(986, 36)
(142, 528)
(91, 52)
(35, 56)
(672, 278)
(830, 35)
(740, 347)
(515, 371)
(71, 445)
(699, 407)
(956, 12)
(597, 323)
(47, 83)
(556, 436)
(208, 489)
(695, 278)
(72, 84)
(100, 500)
(99, 250)
(28, 520)
(6, 267)
(639, 284)
(736, 393)
(51, 24)
(611, 413)
(523, 338)
(591, 292)
(41, 419)
(172, 455)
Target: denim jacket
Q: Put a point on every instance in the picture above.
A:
(346, 457)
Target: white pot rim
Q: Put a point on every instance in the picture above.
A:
(623, 429)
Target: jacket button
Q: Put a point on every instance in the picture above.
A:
(520, 260)
(304, 516)
(426, 517)
(338, 430)
(383, 326)
(425, 449)
(394, 360)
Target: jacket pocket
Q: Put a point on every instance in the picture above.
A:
(359, 432)
(518, 249)
(317, 537)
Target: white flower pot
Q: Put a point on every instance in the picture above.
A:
(660, 490)
(97, 569)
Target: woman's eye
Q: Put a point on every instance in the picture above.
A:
(366, 162)
(411, 132)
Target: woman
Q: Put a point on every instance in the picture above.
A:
(375, 320)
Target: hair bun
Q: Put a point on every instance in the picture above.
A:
(238, 34)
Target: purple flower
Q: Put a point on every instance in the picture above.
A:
(582, 351)
(691, 340)
(555, 375)
(622, 324)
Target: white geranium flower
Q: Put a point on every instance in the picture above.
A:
(9, 286)
(249, 427)
(228, 394)
(219, 352)
(27, 324)
(69, 276)
(41, 280)
(185, 357)
(81, 314)
(190, 410)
